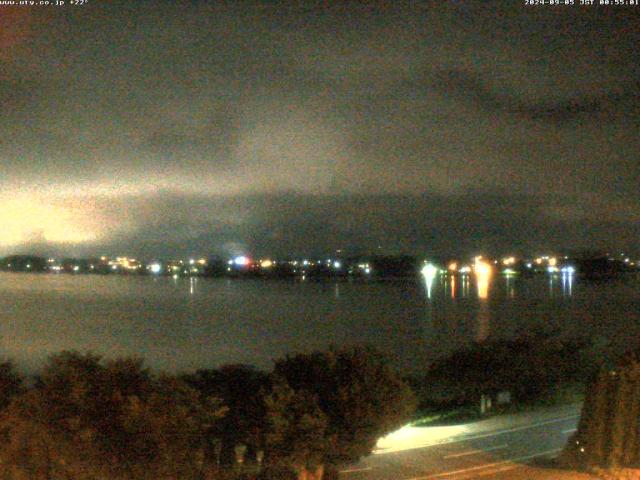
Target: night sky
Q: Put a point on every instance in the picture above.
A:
(152, 129)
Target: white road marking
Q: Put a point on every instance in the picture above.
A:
(571, 430)
(497, 470)
(473, 452)
(487, 465)
(352, 470)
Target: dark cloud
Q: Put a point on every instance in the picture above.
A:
(213, 126)
(173, 224)
(590, 108)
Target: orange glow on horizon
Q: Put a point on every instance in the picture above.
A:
(26, 219)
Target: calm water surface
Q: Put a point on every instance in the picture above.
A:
(187, 323)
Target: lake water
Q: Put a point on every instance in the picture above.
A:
(180, 324)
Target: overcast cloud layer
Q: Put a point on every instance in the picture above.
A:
(202, 128)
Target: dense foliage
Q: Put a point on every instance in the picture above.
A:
(608, 434)
(86, 418)
(531, 368)
(357, 391)
(242, 389)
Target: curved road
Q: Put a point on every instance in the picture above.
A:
(490, 449)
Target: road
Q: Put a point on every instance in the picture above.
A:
(500, 448)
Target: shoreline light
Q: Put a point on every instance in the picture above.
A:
(429, 271)
(483, 271)
(241, 261)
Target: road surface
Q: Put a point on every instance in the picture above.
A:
(499, 448)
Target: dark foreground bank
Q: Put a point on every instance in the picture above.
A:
(86, 418)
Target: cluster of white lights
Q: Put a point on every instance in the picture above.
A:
(365, 267)
(125, 263)
(155, 268)
(429, 271)
(241, 261)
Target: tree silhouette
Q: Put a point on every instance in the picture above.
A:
(360, 395)
(607, 434)
(86, 419)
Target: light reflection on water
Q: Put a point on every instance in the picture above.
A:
(187, 323)
(453, 287)
(567, 284)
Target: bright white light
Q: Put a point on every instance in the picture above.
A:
(76, 268)
(568, 270)
(175, 276)
(408, 437)
(465, 269)
(367, 270)
(552, 269)
(429, 271)
(337, 265)
(508, 271)
(192, 261)
(241, 261)
(155, 267)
